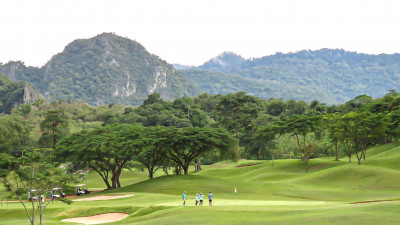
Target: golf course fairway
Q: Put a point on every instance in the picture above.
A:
(332, 192)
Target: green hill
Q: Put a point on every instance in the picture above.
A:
(102, 70)
(327, 180)
(327, 75)
(13, 94)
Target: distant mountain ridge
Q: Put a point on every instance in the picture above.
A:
(328, 75)
(104, 69)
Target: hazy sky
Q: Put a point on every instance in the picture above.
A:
(192, 31)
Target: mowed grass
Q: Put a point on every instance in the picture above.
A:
(280, 194)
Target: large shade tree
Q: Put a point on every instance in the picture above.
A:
(236, 112)
(186, 144)
(150, 148)
(53, 127)
(105, 150)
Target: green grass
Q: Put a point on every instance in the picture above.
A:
(283, 194)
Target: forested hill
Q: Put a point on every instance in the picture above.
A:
(13, 94)
(102, 70)
(330, 76)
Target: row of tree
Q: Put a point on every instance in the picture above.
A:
(107, 150)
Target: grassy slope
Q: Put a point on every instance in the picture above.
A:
(283, 194)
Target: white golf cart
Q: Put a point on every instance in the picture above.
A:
(81, 189)
(32, 195)
(57, 193)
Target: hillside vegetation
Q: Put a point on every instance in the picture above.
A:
(13, 94)
(327, 75)
(102, 70)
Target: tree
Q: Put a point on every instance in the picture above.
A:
(14, 134)
(371, 130)
(153, 98)
(54, 127)
(150, 148)
(307, 151)
(299, 126)
(267, 135)
(186, 144)
(34, 173)
(236, 111)
(360, 130)
(333, 130)
(105, 150)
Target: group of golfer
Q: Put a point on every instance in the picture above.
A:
(198, 198)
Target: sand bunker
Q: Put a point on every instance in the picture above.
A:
(98, 219)
(102, 197)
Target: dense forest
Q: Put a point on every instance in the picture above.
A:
(326, 75)
(200, 130)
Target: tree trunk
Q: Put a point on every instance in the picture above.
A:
(359, 157)
(258, 155)
(118, 183)
(54, 137)
(113, 178)
(198, 165)
(151, 172)
(272, 156)
(185, 167)
(165, 169)
(41, 216)
(306, 163)
(237, 144)
(297, 139)
(337, 154)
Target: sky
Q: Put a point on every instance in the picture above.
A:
(191, 32)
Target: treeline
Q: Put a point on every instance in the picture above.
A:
(197, 130)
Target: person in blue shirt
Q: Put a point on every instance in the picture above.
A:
(201, 198)
(210, 196)
(184, 198)
(197, 199)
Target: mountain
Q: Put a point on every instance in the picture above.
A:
(13, 94)
(328, 75)
(102, 70)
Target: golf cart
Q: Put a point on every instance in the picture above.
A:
(81, 189)
(32, 195)
(57, 193)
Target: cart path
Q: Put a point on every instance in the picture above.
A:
(47, 199)
(103, 197)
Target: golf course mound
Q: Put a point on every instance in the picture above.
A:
(98, 219)
(103, 197)
(319, 166)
